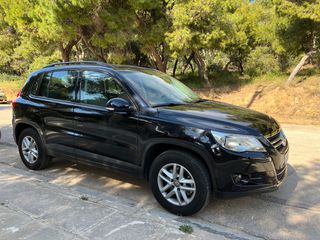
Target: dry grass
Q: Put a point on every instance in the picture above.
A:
(298, 103)
(11, 88)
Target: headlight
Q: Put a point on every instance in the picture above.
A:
(237, 142)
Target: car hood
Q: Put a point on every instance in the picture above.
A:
(213, 115)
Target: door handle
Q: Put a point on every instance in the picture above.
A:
(76, 118)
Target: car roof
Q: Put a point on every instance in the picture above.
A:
(93, 64)
(115, 68)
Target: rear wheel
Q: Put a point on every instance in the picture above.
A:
(180, 182)
(32, 151)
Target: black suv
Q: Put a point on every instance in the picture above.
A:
(145, 122)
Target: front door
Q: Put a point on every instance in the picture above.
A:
(102, 136)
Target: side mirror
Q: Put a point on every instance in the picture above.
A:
(118, 105)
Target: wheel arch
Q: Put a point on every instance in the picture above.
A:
(156, 148)
(22, 125)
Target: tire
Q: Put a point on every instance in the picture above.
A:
(191, 201)
(35, 163)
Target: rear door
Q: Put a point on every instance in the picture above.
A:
(55, 99)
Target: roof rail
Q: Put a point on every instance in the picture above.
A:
(78, 63)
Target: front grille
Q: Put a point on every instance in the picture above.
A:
(279, 141)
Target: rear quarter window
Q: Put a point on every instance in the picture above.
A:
(35, 83)
(28, 86)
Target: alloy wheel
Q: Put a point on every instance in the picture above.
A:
(176, 184)
(29, 149)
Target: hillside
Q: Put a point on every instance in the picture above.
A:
(298, 104)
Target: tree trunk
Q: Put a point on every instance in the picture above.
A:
(64, 54)
(66, 51)
(188, 62)
(94, 51)
(225, 68)
(241, 67)
(160, 62)
(299, 66)
(175, 67)
(202, 68)
(79, 52)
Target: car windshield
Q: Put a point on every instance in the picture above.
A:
(159, 89)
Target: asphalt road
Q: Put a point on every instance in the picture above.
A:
(292, 212)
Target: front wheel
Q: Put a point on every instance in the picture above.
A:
(180, 182)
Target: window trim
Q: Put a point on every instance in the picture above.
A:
(52, 100)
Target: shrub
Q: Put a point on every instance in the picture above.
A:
(8, 78)
(261, 61)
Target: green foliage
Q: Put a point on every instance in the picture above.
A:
(196, 25)
(219, 78)
(240, 33)
(190, 79)
(298, 27)
(222, 39)
(222, 79)
(9, 78)
(186, 229)
(261, 61)
(42, 61)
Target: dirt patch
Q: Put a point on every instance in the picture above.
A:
(299, 103)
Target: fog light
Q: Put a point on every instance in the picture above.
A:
(240, 179)
(237, 178)
(215, 149)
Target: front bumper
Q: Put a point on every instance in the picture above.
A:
(250, 172)
(245, 189)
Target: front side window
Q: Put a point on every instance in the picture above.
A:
(97, 88)
(59, 85)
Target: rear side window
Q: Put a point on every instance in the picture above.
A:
(59, 85)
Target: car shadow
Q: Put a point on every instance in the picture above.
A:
(113, 182)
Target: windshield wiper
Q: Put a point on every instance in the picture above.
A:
(178, 104)
(199, 100)
(168, 104)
